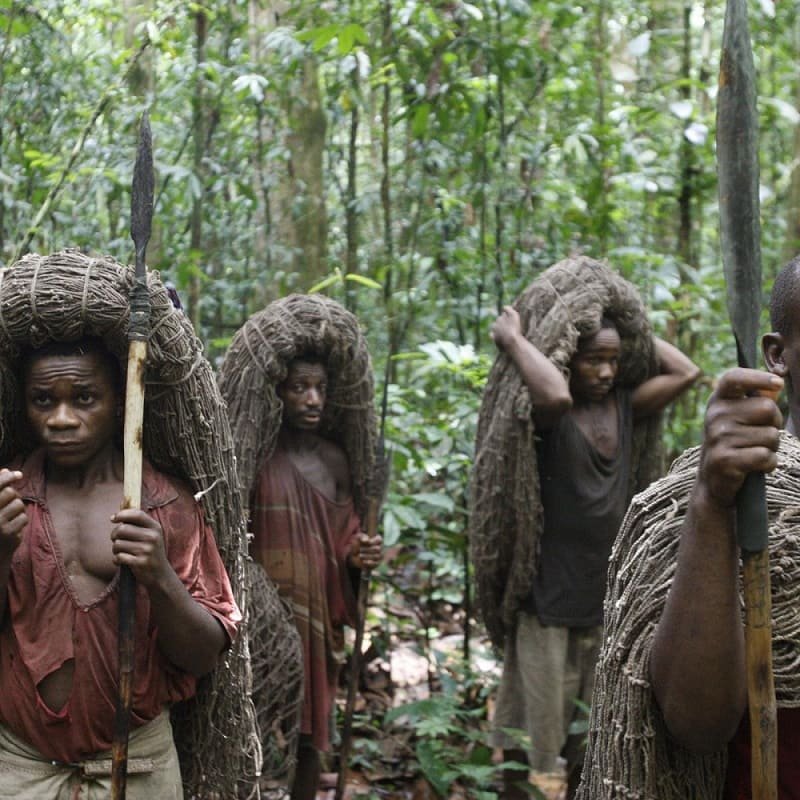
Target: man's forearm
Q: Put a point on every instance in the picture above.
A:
(188, 635)
(546, 385)
(672, 361)
(697, 661)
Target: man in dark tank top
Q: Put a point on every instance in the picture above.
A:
(585, 423)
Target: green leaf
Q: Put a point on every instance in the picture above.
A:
(363, 280)
(436, 500)
(319, 37)
(326, 282)
(350, 35)
(420, 124)
(435, 770)
(414, 710)
(391, 529)
(409, 517)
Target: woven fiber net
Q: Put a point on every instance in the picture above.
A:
(630, 754)
(276, 656)
(66, 296)
(256, 362)
(565, 302)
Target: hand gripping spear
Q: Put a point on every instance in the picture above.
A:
(740, 232)
(378, 486)
(138, 331)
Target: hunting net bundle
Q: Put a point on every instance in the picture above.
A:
(257, 361)
(567, 301)
(66, 296)
(630, 753)
(276, 658)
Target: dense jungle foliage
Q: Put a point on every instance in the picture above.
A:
(421, 161)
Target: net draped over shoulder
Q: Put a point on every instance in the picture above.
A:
(630, 754)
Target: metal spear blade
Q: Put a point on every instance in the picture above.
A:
(737, 169)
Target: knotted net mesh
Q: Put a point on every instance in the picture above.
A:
(630, 754)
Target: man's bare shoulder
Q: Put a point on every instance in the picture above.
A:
(334, 456)
(335, 460)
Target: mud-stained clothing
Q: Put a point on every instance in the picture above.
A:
(47, 625)
(302, 539)
(584, 496)
(153, 769)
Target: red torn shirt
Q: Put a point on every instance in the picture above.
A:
(46, 625)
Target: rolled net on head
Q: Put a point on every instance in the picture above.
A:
(565, 302)
(256, 362)
(67, 296)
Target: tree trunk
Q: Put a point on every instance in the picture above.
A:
(351, 201)
(199, 141)
(603, 210)
(791, 245)
(686, 196)
(141, 83)
(293, 217)
(309, 234)
(260, 21)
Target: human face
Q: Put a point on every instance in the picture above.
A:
(72, 406)
(594, 366)
(303, 394)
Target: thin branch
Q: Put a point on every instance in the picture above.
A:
(105, 99)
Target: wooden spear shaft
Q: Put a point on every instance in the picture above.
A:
(760, 680)
(740, 233)
(379, 484)
(138, 331)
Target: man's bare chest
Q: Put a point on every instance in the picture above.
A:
(600, 427)
(82, 531)
(316, 472)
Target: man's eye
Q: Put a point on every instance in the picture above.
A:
(40, 400)
(85, 398)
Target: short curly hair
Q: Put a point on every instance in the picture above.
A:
(785, 297)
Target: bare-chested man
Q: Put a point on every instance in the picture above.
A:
(584, 457)
(308, 538)
(62, 540)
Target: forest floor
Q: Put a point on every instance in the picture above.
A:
(417, 757)
(421, 719)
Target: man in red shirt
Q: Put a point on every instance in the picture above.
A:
(62, 540)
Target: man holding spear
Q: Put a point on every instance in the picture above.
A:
(62, 539)
(681, 661)
(64, 542)
(669, 714)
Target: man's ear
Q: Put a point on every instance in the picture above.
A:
(773, 348)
